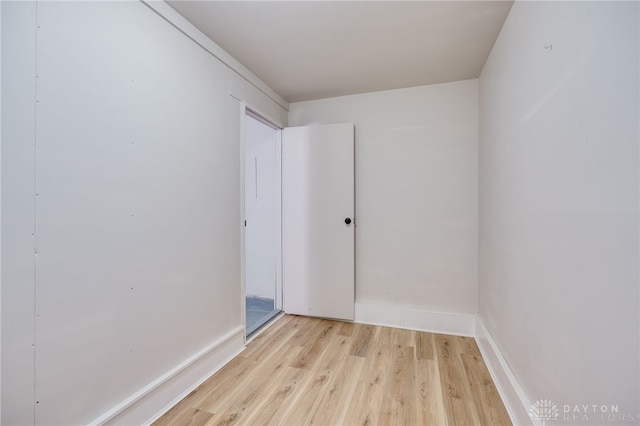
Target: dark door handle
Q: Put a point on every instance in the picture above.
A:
(347, 221)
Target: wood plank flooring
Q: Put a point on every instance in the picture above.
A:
(309, 371)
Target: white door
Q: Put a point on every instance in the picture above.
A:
(318, 225)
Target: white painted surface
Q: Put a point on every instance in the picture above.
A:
(416, 183)
(513, 397)
(317, 197)
(18, 191)
(260, 208)
(389, 315)
(137, 214)
(163, 393)
(312, 50)
(257, 101)
(258, 87)
(235, 203)
(131, 224)
(559, 185)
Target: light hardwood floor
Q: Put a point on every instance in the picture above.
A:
(304, 371)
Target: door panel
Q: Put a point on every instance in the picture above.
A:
(317, 196)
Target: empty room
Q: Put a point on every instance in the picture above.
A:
(320, 212)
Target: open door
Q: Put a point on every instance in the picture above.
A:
(318, 223)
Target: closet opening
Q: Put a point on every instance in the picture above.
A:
(262, 226)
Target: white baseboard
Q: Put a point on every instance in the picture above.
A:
(151, 402)
(415, 319)
(514, 398)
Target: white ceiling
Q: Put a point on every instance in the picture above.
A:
(317, 49)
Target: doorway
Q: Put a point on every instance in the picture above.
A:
(262, 209)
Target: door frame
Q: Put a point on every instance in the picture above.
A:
(252, 112)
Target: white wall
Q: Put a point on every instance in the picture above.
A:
(416, 183)
(18, 215)
(558, 212)
(121, 216)
(260, 208)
